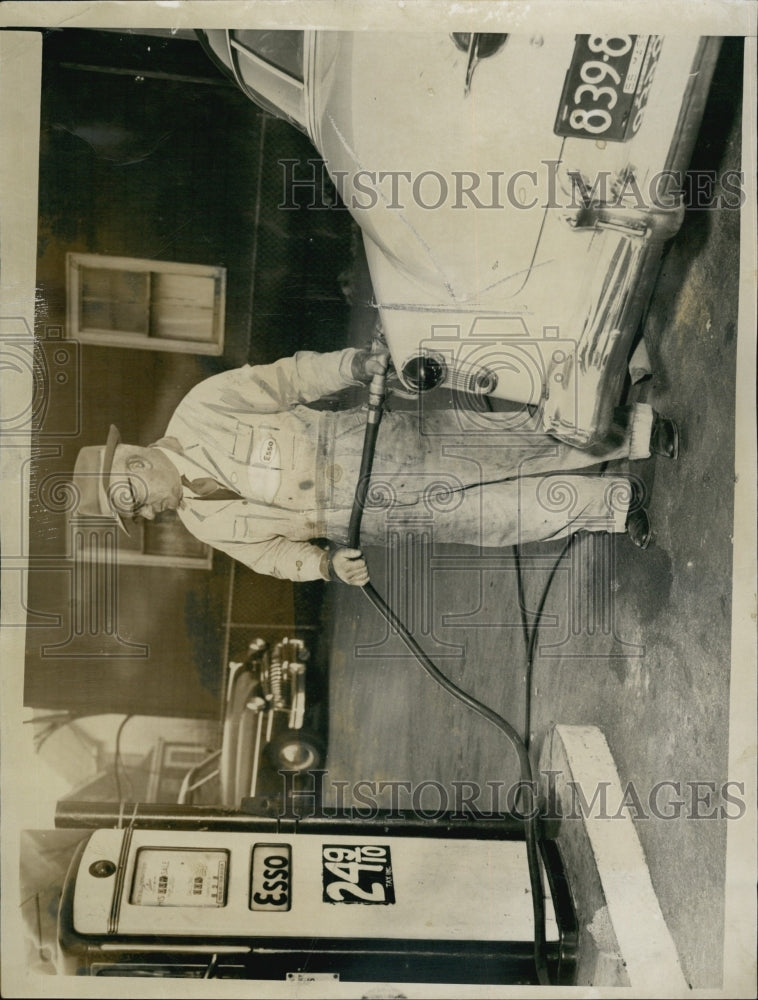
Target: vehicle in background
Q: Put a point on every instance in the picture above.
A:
(264, 731)
(514, 192)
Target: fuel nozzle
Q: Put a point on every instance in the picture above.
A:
(376, 397)
(377, 385)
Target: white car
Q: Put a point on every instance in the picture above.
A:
(514, 193)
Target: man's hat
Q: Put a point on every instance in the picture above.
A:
(92, 479)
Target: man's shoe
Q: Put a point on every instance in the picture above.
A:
(638, 528)
(664, 437)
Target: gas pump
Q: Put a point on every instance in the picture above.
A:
(188, 891)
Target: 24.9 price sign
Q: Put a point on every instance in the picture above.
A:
(357, 874)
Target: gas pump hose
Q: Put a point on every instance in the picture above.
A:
(531, 825)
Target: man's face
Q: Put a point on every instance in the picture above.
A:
(143, 482)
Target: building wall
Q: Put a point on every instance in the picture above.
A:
(147, 152)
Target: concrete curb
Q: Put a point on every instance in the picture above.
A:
(623, 937)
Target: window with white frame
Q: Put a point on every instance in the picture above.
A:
(149, 304)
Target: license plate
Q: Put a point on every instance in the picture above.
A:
(607, 86)
(270, 878)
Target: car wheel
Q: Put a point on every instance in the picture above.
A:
(295, 750)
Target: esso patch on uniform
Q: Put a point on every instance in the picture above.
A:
(268, 452)
(264, 472)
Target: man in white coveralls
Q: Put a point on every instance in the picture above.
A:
(254, 471)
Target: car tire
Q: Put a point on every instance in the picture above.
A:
(295, 750)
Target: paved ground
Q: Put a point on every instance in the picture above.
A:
(638, 642)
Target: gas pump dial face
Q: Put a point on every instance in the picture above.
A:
(179, 877)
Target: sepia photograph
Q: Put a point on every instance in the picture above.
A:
(378, 449)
